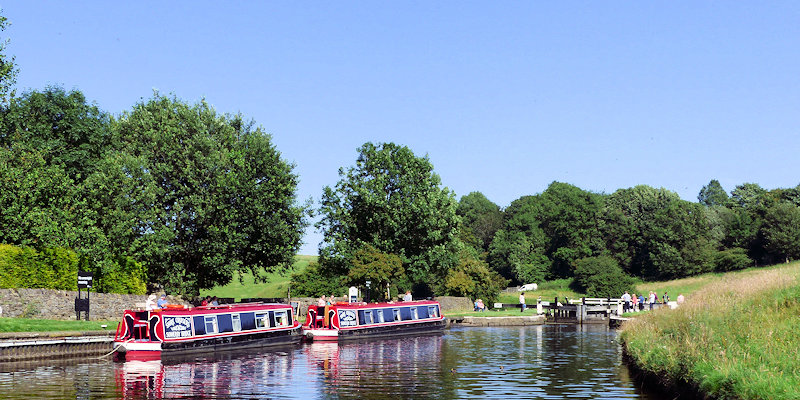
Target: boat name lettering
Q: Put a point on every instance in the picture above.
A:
(347, 318)
(177, 327)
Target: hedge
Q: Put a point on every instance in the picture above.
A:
(57, 268)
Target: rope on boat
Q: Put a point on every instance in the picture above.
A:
(114, 350)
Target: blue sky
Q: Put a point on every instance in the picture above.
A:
(503, 97)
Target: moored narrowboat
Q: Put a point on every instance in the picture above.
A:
(341, 321)
(144, 335)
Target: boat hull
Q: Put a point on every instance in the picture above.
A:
(148, 350)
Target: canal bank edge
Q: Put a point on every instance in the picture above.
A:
(500, 321)
(29, 346)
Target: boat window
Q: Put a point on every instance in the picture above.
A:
(367, 317)
(281, 319)
(423, 312)
(433, 312)
(224, 323)
(379, 316)
(199, 325)
(414, 314)
(248, 321)
(262, 320)
(237, 322)
(396, 314)
(211, 324)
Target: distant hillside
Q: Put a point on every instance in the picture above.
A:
(276, 285)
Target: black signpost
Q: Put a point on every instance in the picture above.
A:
(84, 282)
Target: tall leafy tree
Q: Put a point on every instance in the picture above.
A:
(782, 230)
(197, 196)
(654, 234)
(61, 125)
(481, 217)
(392, 200)
(713, 194)
(517, 251)
(8, 69)
(570, 219)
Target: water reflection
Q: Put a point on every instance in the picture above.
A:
(543, 362)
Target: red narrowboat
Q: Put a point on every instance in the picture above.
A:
(343, 321)
(176, 329)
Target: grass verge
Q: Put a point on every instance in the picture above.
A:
(47, 325)
(736, 338)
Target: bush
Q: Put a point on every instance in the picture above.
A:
(602, 277)
(732, 259)
(57, 269)
(24, 267)
(473, 278)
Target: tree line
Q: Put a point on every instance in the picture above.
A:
(177, 196)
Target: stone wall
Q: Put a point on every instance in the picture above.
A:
(452, 303)
(60, 304)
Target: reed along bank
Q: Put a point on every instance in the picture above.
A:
(736, 338)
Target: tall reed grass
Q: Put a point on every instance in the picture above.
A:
(736, 338)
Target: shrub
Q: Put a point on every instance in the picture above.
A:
(732, 259)
(602, 277)
(24, 267)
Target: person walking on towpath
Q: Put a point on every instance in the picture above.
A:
(522, 304)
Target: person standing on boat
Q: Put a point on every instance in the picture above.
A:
(150, 304)
(330, 300)
(407, 297)
(321, 302)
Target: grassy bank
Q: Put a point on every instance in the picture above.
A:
(277, 284)
(47, 325)
(736, 337)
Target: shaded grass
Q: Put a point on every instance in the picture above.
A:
(738, 337)
(47, 325)
(277, 283)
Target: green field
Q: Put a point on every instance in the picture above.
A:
(276, 285)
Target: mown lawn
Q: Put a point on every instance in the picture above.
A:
(277, 284)
(47, 325)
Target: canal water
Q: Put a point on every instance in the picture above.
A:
(534, 362)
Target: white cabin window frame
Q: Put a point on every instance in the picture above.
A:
(210, 322)
(262, 320)
(281, 319)
(236, 322)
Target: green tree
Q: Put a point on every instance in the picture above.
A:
(61, 125)
(748, 195)
(381, 269)
(569, 218)
(782, 230)
(480, 216)
(713, 194)
(392, 200)
(655, 234)
(8, 69)
(472, 278)
(197, 196)
(601, 277)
